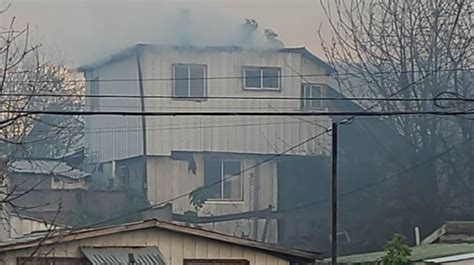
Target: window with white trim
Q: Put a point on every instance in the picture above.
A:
(262, 78)
(189, 80)
(223, 179)
(310, 96)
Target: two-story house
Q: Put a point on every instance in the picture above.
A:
(164, 157)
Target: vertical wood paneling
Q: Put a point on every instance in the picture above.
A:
(249, 139)
(170, 178)
(174, 247)
(201, 248)
(177, 249)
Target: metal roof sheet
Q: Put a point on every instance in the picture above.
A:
(419, 253)
(120, 255)
(451, 258)
(47, 167)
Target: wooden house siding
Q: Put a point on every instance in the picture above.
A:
(120, 137)
(111, 138)
(174, 247)
(169, 178)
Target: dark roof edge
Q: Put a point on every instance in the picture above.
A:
(113, 58)
(310, 56)
(277, 250)
(132, 51)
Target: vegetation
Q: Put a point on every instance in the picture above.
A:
(397, 252)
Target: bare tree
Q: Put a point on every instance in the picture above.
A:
(28, 82)
(414, 50)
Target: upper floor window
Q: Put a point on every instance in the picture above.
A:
(223, 179)
(95, 92)
(189, 80)
(262, 78)
(311, 96)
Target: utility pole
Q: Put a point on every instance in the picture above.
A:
(334, 196)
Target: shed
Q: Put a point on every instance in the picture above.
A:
(150, 242)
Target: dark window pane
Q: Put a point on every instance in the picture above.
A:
(271, 78)
(181, 81)
(197, 81)
(252, 78)
(232, 180)
(212, 174)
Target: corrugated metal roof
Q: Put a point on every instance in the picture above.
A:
(48, 167)
(120, 255)
(451, 258)
(419, 253)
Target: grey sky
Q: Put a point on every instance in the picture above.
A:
(77, 32)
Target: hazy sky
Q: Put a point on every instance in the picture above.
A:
(78, 32)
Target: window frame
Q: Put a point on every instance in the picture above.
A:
(216, 261)
(189, 97)
(261, 69)
(304, 106)
(222, 199)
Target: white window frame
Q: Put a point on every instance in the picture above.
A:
(222, 180)
(261, 69)
(188, 66)
(305, 103)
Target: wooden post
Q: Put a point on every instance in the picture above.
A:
(334, 196)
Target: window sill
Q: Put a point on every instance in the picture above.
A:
(195, 99)
(217, 201)
(262, 89)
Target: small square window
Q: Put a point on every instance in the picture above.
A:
(224, 179)
(189, 80)
(261, 78)
(271, 78)
(311, 96)
(253, 78)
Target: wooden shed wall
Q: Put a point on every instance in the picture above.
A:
(175, 248)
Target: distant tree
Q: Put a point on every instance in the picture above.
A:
(412, 50)
(28, 84)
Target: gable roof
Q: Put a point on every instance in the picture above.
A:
(67, 236)
(134, 49)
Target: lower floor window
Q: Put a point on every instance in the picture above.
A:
(223, 179)
(215, 262)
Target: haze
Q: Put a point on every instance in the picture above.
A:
(77, 32)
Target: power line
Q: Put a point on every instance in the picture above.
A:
(205, 98)
(209, 185)
(238, 113)
(376, 183)
(228, 77)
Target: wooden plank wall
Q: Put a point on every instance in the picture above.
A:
(175, 248)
